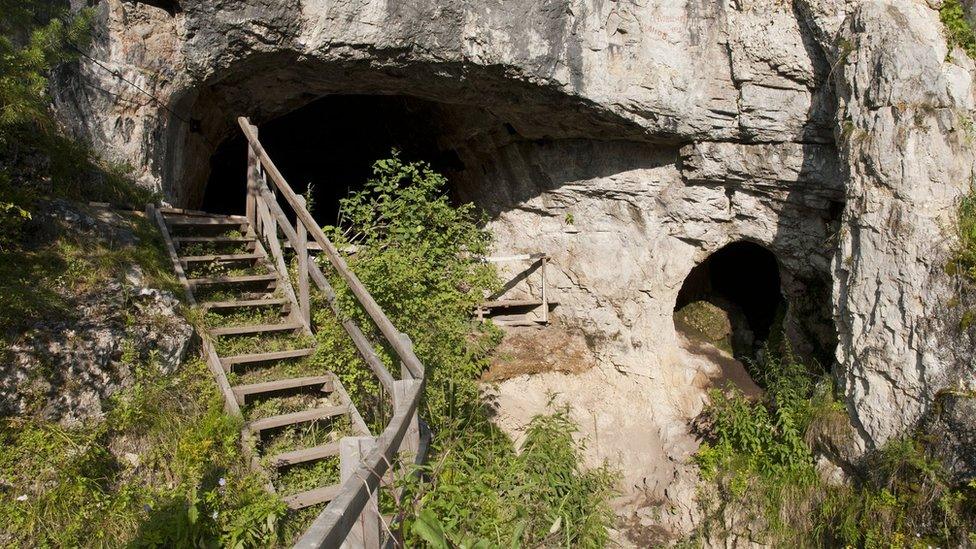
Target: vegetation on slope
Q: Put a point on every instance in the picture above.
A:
(38, 163)
(964, 260)
(163, 467)
(188, 487)
(761, 477)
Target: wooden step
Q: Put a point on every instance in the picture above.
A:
(294, 418)
(240, 304)
(305, 455)
(231, 361)
(219, 258)
(255, 329)
(203, 221)
(242, 392)
(212, 239)
(312, 497)
(171, 211)
(243, 279)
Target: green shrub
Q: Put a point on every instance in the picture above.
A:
(484, 494)
(189, 486)
(416, 253)
(758, 465)
(964, 259)
(959, 33)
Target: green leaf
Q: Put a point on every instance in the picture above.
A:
(429, 528)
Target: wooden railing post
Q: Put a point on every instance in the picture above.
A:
(365, 533)
(301, 248)
(403, 390)
(545, 299)
(252, 185)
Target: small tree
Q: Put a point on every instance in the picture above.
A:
(418, 255)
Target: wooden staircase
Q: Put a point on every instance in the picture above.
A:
(227, 272)
(257, 337)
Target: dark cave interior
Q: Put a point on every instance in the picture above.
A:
(743, 280)
(331, 144)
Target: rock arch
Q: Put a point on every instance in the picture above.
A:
(735, 293)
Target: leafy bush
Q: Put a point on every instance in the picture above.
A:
(762, 475)
(189, 485)
(416, 253)
(964, 259)
(539, 497)
(958, 30)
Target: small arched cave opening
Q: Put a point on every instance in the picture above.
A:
(327, 148)
(734, 300)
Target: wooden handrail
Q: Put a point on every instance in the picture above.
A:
(390, 333)
(351, 328)
(357, 492)
(332, 525)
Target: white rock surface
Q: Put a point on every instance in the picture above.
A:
(904, 108)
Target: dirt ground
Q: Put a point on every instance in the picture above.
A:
(638, 424)
(531, 350)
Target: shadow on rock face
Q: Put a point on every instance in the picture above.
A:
(951, 431)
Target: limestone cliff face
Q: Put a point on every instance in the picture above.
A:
(829, 131)
(905, 118)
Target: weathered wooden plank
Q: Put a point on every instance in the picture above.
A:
(231, 361)
(305, 455)
(201, 221)
(170, 211)
(311, 497)
(357, 420)
(334, 523)
(507, 258)
(255, 329)
(301, 250)
(219, 258)
(213, 362)
(511, 303)
(519, 323)
(266, 223)
(238, 304)
(294, 418)
(243, 279)
(411, 438)
(545, 297)
(359, 339)
(252, 183)
(174, 256)
(365, 531)
(213, 239)
(242, 392)
(281, 267)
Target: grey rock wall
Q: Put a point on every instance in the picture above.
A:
(904, 109)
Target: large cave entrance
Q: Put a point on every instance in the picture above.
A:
(734, 299)
(330, 146)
